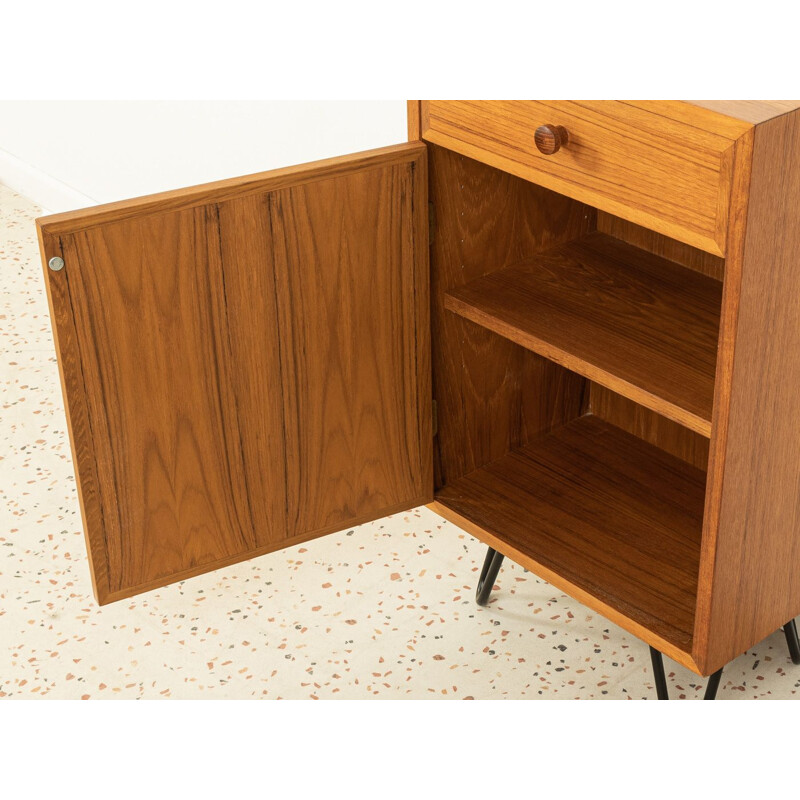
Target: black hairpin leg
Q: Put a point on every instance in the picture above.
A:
(658, 674)
(790, 629)
(491, 566)
(661, 679)
(713, 685)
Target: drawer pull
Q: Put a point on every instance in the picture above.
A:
(550, 139)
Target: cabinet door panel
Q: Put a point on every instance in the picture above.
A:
(246, 364)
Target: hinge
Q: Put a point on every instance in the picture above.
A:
(431, 223)
(435, 413)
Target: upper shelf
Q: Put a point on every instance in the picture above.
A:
(636, 323)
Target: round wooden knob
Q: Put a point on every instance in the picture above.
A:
(551, 138)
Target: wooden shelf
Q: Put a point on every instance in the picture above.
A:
(601, 514)
(645, 327)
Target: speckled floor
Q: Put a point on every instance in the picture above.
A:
(382, 611)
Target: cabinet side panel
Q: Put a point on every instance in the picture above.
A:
(751, 560)
(492, 395)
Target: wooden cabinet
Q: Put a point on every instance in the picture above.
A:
(586, 358)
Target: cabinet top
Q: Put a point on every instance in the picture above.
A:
(753, 111)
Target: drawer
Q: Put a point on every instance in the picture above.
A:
(666, 165)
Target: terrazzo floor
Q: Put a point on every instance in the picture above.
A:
(385, 610)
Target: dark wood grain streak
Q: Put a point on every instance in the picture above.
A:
(492, 395)
(354, 428)
(636, 323)
(150, 353)
(604, 517)
(751, 559)
(249, 372)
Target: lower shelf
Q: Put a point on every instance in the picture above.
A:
(604, 516)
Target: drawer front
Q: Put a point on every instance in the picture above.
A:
(661, 164)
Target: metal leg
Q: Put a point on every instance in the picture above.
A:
(491, 566)
(661, 679)
(713, 685)
(790, 629)
(658, 674)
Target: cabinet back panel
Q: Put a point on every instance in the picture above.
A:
(492, 395)
(647, 425)
(684, 254)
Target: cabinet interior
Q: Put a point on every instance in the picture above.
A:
(573, 370)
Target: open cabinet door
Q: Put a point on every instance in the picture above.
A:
(245, 364)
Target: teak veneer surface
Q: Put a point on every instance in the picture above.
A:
(246, 366)
(491, 394)
(751, 111)
(750, 569)
(666, 165)
(603, 516)
(642, 326)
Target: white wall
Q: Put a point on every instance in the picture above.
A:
(65, 155)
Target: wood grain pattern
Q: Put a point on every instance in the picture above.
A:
(640, 325)
(751, 555)
(659, 431)
(491, 394)
(693, 115)
(247, 373)
(640, 163)
(601, 515)
(660, 245)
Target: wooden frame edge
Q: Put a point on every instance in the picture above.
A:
(217, 191)
(737, 224)
(414, 112)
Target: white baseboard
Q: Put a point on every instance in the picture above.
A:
(43, 189)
